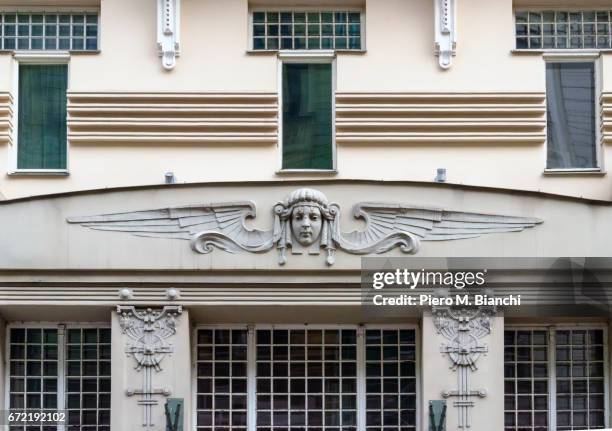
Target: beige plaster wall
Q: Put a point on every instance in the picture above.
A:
(214, 57)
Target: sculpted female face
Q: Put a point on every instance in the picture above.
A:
(306, 224)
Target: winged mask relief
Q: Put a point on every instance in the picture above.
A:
(306, 222)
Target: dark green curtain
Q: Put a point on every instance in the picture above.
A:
(42, 117)
(307, 116)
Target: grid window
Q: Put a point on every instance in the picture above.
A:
(526, 380)
(307, 378)
(580, 379)
(296, 30)
(222, 379)
(33, 371)
(88, 377)
(48, 31)
(576, 358)
(36, 366)
(563, 29)
(390, 379)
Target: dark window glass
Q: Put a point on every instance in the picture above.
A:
(42, 117)
(307, 116)
(570, 92)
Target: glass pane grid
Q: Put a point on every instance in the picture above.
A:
(48, 31)
(390, 379)
(589, 29)
(580, 379)
(222, 379)
(295, 30)
(88, 379)
(33, 371)
(306, 379)
(526, 380)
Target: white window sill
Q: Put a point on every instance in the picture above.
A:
(302, 52)
(594, 172)
(562, 52)
(307, 172)
(40, 172)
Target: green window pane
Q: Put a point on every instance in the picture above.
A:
(42, 117)
(307, 116)
(570, 93)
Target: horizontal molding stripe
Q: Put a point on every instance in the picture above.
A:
(172, 117)
(6, 115)
(531, 294)
(440, 117)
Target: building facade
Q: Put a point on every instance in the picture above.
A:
(194, 191)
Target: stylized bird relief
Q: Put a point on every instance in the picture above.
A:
(149, 330)
(463, 328)
(306, 223)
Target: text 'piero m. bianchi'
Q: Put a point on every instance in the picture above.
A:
(397, 288)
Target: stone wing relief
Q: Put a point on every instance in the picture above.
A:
(306, 222)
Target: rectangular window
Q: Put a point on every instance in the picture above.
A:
(307, 138)
(571, 112)
(41, 142)
(390, 379)
(222, 379)
(554, 376)
(296, 30)
(36, 366)
(307, 378)
(563, 29)
(48, 31)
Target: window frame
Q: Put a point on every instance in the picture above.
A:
(61, 355)
(252, 363)
(35, 58)
(551, 362)
(582, 56)
(254, 9)
(303, 57)
(576, 51)
(58, 10)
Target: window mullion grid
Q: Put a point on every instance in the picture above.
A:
(361, 379)
(251, 381)
(552, 373)
(61, 373)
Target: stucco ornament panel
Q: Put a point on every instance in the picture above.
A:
(149, 331)
(445, 28)
(464, 328)
(168, 31)
(306, 223)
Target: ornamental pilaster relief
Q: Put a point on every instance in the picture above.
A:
(149, 331)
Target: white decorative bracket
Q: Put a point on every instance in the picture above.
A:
(168, 31)
(446, 31)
